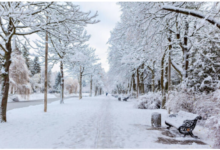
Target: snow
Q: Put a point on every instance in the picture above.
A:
(177, 67)
(182, 115)
(35, 96)
(193, 12)
(39, 96)
(97, 122)
(3, 71)
(77, 94)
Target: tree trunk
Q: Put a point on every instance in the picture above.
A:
(80, 83)
(5, 82)
(185, 53)
(153, 77)
(137, 83)
(5, 74)
(133, 82)
(62, 83)
(178, 37)
(100, 93)
(96, 90)
(162, 82)
(142, 80)
(166, 76)
(45, 79)
(130, 86)
(169, 64)
(169, 67)
(91, 86)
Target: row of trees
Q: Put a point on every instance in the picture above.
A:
(158, 45)
(61, 28)
(171, 48)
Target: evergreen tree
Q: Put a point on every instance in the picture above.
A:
(57, 81)
(49, 79)
(36, 66)
(26, 54)
(83, 83)
(31, 66)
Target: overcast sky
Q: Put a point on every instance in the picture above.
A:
(108, 14)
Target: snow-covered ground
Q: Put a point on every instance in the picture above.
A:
(97, 122)
(34, 96)
(77, 94)
(39, 96)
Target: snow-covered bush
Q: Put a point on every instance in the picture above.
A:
(205, 105)
(71, 85)
(213, 123)
(35, 81)
(19, 75)
(182, 100)
(150, 101)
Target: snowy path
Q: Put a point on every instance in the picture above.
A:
(98, 122)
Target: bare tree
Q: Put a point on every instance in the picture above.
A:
(25, 18)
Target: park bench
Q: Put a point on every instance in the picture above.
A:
(186, 128)
(126, 98)
(15, 99)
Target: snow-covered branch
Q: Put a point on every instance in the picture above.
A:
(192, 13)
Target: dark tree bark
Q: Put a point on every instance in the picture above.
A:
(162, 80)
(166, 76)
(80, 82)
(169, 63)
(96, 90)
(5, 83)
(130, 86)
(142, 80)
(62, 82)
(5, 75)
(133, 82)
(153, 76)
(45, 79)
(100, 91)
(185, 53)
(137, 83)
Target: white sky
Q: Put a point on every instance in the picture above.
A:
(108, 14)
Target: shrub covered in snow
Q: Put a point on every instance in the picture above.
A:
(71, 85)
(150, 101)
(19, 75)
(205, 105)
(180, 101)
(213, 123)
